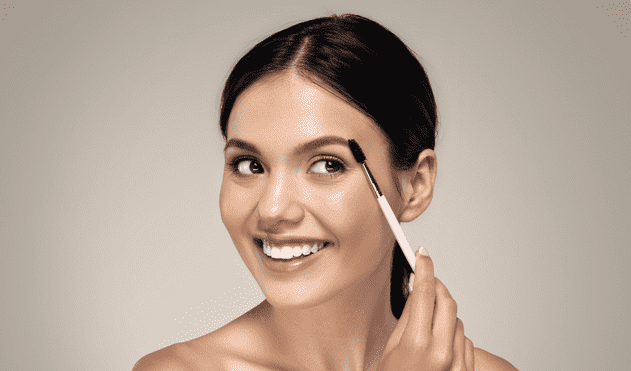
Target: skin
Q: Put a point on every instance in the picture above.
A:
(338, 309)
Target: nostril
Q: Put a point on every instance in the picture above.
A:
(271, 217)
(279, 202)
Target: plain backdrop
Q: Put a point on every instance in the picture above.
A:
(111, 240)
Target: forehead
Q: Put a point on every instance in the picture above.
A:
(288, 110)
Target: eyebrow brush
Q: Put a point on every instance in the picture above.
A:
(383, 203)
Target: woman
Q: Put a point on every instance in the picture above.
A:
(339, 293)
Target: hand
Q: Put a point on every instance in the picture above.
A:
(428, 335)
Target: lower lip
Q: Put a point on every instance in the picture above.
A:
(290, 266)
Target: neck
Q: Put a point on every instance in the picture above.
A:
(347, 332)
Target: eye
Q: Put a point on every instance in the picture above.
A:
(327, 167)
(248, 167)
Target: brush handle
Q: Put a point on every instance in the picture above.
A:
(396, 228)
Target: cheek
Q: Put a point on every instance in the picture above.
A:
(234, 204)
(226, 215)
(354, 215)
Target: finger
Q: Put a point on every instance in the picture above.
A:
(395, 337)
(468, 354)
(444, 316)
(417, 333)
(458, 360)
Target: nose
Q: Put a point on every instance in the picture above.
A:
(280, 203)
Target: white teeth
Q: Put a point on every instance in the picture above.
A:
(275, 253)
(306, 250)
(288, 252)
(267, 249)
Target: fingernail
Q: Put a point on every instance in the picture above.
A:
(411, 282)
(424, 251)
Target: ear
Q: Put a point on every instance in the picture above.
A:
(418, 186)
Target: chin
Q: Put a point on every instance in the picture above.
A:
(295, 296)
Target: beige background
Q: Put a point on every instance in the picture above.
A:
(111, 240)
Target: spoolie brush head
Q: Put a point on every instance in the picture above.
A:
(357, 151)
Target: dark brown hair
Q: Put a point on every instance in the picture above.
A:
(370, 68)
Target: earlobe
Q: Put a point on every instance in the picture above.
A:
(419, 187)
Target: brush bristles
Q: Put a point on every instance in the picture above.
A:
(357, 151)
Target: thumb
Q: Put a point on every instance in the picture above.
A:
(395, 337)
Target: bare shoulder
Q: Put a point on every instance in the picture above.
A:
(240, 345)
(485, 361)
(194, 355)
(176, 357)
(244, 344)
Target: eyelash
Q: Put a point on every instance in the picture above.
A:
(334, 160)
(234, 165)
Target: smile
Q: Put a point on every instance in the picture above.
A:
(290, 251)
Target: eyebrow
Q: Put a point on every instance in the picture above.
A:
(306, 147)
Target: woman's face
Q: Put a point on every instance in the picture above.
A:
(290, 181)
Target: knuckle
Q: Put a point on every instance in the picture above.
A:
(419, 344)
(459, 324)
(440, 284)
(452, 306)
(442, 288)
(458, 365)
(424, 287)
(424, 283)
(468, 342)
(442, 357)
